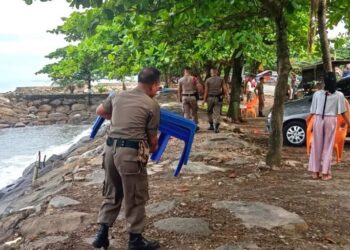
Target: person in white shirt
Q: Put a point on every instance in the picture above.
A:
(326, 105)
(249, 89)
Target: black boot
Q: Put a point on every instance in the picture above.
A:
(216, 128)
(101, 239)
(261, 114)
(137, 242)
(211, 126)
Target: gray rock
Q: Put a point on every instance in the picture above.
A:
(94, 152)
(239, 246)
(78, 107)
(42, 115)
(193, 226)
(68, 101)
(55, 223)
(45, 108)
(43, 242)
(37, 103)
(56, 102)
(7, 111)
(160, 207)
(57, 116)
(4, 100)
(63, 109)
(19, 125)
(4, 126)
(32, 109)
(258, 214)
(197, 168)
(96, 177)
(62, 201)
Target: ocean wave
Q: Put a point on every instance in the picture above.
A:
(12, 167)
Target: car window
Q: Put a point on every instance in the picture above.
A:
(344, 86)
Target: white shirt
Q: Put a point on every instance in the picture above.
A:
(335, 103)
(249, 87)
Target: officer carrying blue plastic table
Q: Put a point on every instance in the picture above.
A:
(171, 125)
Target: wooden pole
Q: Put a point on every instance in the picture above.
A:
(35, 171)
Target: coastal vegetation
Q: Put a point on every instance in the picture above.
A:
(113, 39)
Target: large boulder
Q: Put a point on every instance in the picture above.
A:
(56, 223)
(57, 116)
(42, 115)
(56, 102)
(45, 108)
(32, 109)
(9, 119)
(7, 111)
(4, 100)
(258, 214)
(19, 125)
(78, 107)
(63, 109)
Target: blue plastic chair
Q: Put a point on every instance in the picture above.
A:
(97, 124)
(179, 127)
(171, 125)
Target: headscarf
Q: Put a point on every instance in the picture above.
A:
(330, 82)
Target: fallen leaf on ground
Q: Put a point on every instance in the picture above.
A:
(330, 240)
(232, 175)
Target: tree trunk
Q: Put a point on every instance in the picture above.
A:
(89, 90)
(254, 67)
(227, 71)
(166, 78)
(273, 157)
(208, 66)
(123, 86)
(312, 28)
(234, 111)
(322, 29)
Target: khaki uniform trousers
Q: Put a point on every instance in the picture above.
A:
(190, 108)
(125, 179)
(261, 103)
(214, 109)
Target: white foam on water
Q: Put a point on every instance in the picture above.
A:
(12, 168)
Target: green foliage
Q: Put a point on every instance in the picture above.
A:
(101, 89)
(116, 38)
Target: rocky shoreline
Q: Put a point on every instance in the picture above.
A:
(225, 198)
(19, 110)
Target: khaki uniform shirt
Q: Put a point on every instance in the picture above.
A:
(214, 85)
(135, 115)
(260, 89)
(188, 85)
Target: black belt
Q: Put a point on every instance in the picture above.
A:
(215, 95)
(188, 94)
(124, 143)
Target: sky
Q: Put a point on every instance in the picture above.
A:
(24, 41)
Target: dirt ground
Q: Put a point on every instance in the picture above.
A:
(324, 205)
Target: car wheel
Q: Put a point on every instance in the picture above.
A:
(294, 133)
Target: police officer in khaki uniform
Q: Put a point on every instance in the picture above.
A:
(135, 120)
(188, 95)
(259, 91)
(214, 93)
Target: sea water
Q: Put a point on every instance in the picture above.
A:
(19, 147)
